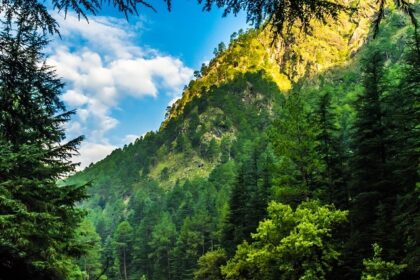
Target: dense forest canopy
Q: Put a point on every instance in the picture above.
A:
(288, 159)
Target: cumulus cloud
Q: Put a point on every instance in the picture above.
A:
(102, 64)
(93, 152)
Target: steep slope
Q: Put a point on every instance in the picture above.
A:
(169, 190)
(285, 60)
(189, 145)
(252, 54)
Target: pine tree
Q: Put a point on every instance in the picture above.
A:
(281, 16)
(37, 216)
(403, 136)
(369, 131)
(248, 199)
(378, 269)
(331, 152)
(295, 144)
(161, 243)
(123, 239)
(259, 185)
(370, 185)
(235, 224)
(89, 263)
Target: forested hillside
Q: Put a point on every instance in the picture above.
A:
(288, 159)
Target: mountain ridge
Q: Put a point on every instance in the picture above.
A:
(254, 52)
(173, 189)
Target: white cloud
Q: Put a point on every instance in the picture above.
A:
(130, 138)
(74, 98)
(101, 65)
(108, 35)
(92, 152)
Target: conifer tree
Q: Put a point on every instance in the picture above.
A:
(330, 151)
(295, 144)
(248, 199)
(161, 243)
(37, 216)
(370, 185)
(378, 269)
(123, 246)
(234, 227)
(403, 136)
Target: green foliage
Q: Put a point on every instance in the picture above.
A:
(164, 175)
(37, 216)
(278, 14)
(208, 266)
(289, 244)
(163, 204)
(90, 261)
(199, 186)
(378, 269)
(213, 150)
(282, 16)
(295, 143)
(379, 143)
(38, 14)
(161, 242)
(248, 198)
(123, 239)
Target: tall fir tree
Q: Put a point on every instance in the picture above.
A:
(331, 152)
(234, 228)
(249, 197)
(295, 144)
(38, 217)
(369, 185)
(403, 135)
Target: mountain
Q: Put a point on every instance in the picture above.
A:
(252, 54)
(249, 129)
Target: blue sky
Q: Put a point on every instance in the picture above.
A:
(120, 75)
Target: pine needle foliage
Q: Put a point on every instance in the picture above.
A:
(37, 216)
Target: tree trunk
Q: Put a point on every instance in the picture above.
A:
(124, 264)
(168, 264)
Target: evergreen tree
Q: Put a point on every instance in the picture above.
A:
(235, 224)
(221, 47)
(281, 16)
(258, 185)
(248, 199)
(378, 269)
(190, 246)
(280, 13)
(161, 243)
(295, 144)
(403, 136)
(38, 13)
(260, 198)
(331, 152)
(123, 238)
(37, 216)
(370, 188)
(89, 262)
